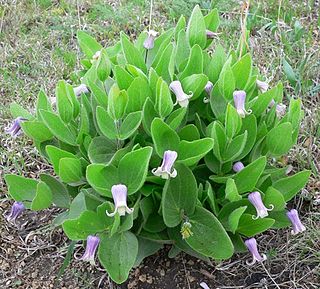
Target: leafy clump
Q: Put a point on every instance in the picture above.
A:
(166, 141)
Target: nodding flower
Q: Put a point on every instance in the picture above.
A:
(182, 98)
(262, 86)
(15, 129)
(251, 244)
(262, 211)
(238, 166)
(149, 42)
(239, 97)
(208, 88)
(297, 226)
(166, 169)
(119, 194)
(96, 55)
(210, 34)
(272, 103)
(281, 110)
(82, 88)
(16, 210)
(91, 248)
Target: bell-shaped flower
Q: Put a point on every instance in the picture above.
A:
(262, 86)
(166, 169)
(149, 42)
(119, 194)
(281, 110)
(82, 88)
(239, 97)
(262, 211)
(91, 248)
(238, 166)
(271, 103)
(16, 210)
(251, 244)
(208, 88)
(210, 34)
(297, 226)
(15, 129)
(182, 97)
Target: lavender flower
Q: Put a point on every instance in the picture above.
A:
(182, 98)
(204, 285)
(297, 226)
(238, 166)
(253, 248)
(166, 169)
(280, 110)
(239, 97)
(119, 194)
(149, 42)
(82, 88)
(208, 88)
(16, 210)
(210, 34)
(272, 103)
(262, 86)
(255, 199)
(91, 248)
(15, 129)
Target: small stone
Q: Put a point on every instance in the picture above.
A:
(149, 280)
(162, 272)
(143, 278)
(190, 262)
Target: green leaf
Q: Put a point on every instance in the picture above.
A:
(64, 102)
(232, 121)
(101, 150)
(275, 198)
(250, 227)
(164, 102)
(248, 177)
(195, 62)
(117, 102)
(70, 170)
(179, 196)
(242, 71)
(149, 114)
(164, 137)
(212, 20)
(235, 147)
(123, 78)
(195, 83)
(133, 168)
(231, 192)
(279, 139)
(176, 117)
(42, 103)
(138, 92)
(146, 248)
(215, 66)
(191, 152)
(42, 198)
(132, 54)
(55, 154)
(196, 29)
(17, 110)
(102, 178)
(88, 44)
(103, 66)
(36, 130)
(118, 254)
(182, 49)
(209, 237)
(165, 66)
(60, 195)
(106, 123)
(189, 133)
(88, 223)
(234, 218)
(227, 84)
(58, 128)
(262, 102)
(290, 186)
(130, 124)
(289, 72)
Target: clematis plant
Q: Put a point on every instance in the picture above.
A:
(157, 144)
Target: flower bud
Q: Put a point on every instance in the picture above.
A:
(262, 86)
(238, 166)
(16, 210)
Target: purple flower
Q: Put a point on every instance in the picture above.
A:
(281, 110)
(253, 248)
(91, 248)
(16, 210)
(238, 166)
(297, 226)
(255, 199)
(208, 88)
(262, 86)
(82, 88)
(149, 42)
(119, 194)
(272, 103)
(211, 35)
(239, 97)
(182, 98)
(166, 169)
(15, 129)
